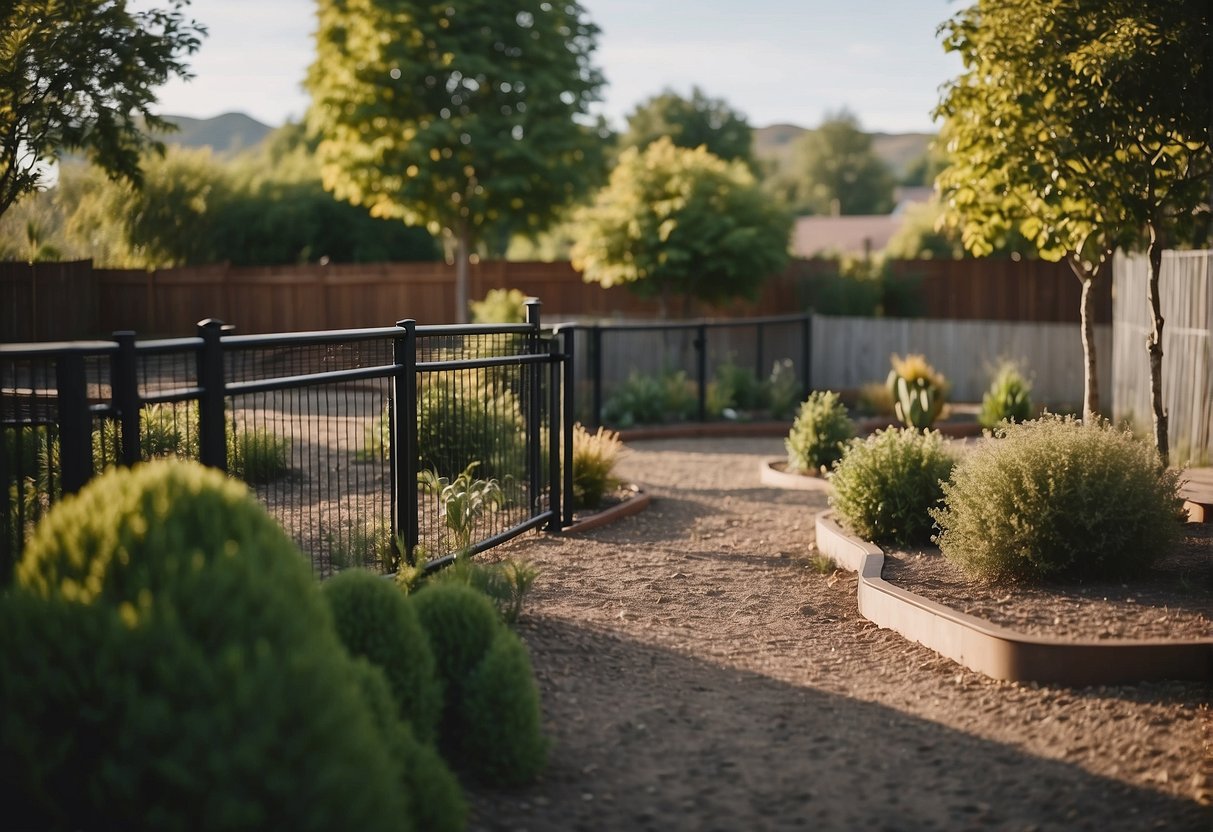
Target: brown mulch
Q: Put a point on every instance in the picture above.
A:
(698, 672)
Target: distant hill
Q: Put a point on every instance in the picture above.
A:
(898, 150)
(226, 135)
(232, 133)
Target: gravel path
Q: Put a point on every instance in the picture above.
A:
(698, 673)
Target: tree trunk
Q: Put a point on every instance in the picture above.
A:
(1090, 389)
(1154, 343)
(463, 253)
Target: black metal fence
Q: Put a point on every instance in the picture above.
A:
(693, 371)
(331, 429)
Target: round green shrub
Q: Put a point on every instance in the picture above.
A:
(172, 538)
(1008, 399)
(501, 739)
(435, 801)
(819, 434)
(1055, 499)
(461, 420)
(885, 485)
(461, 624)
(375, 621)
(216, 693)
(257, 455)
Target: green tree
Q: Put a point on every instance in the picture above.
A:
(462, 117)
(692, 122)
(835, 171)
(675, 221)
(79, 75)
(1082, 124)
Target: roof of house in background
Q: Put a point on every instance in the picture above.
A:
(855, 234)
(816, 236)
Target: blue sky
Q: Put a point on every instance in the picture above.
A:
(773, 60)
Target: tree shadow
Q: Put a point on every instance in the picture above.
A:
(647, 738)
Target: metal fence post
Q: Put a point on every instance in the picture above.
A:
(570, 380)
(403, 455)
(555, 435)
(124, 378)
(534, 403)
(75, 425)
(701, 369)
(760, 362)
(595, 368)
(212, 429)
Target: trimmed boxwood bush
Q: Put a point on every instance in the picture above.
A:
(215, 693)
(435, 801)
(501, 741)
(375, 621)
(461, 624)
(885, 485)
(491, 716)
(819, 434)
(1057, 499)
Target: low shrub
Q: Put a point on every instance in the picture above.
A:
(885, 485)
(460, 421)
(875, 399)
(651, 400)
(737, 388)
(257, 455)
(783, 389)
(435, 801)
(1056, 499)
(375, 621)
(502, 742)
(594, 459)
(819, 434)
(1008, 399)
(201, 622)
(506, 582)
(461, 624)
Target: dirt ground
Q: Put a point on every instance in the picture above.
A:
(697, 673)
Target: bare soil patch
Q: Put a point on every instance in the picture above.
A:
(698, 672)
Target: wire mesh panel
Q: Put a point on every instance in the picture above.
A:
(311, 422)
(482, 415)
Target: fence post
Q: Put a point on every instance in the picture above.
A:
(758, 349)
(534, 403)
(75, 425)
(403, 456)
(212, 429)
(595, 368)
(701, 369)
(806, 353)
(555, 435)
(569, 416)
(124, 378)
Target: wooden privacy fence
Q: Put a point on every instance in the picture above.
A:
(62, 301)
(1186, 299)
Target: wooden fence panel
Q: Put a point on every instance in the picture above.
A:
(851, 352)
(1186, 298)
(47, 301)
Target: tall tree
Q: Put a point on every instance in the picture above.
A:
(1080, 123)
(699, 120)
(835, 171)
(461, 116)
(679, 222)
(79, 75)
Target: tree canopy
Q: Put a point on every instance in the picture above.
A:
(80, 76)
(699, 120)
(1078, 123)
(461, 117)
(835, 171)
(676, 221)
